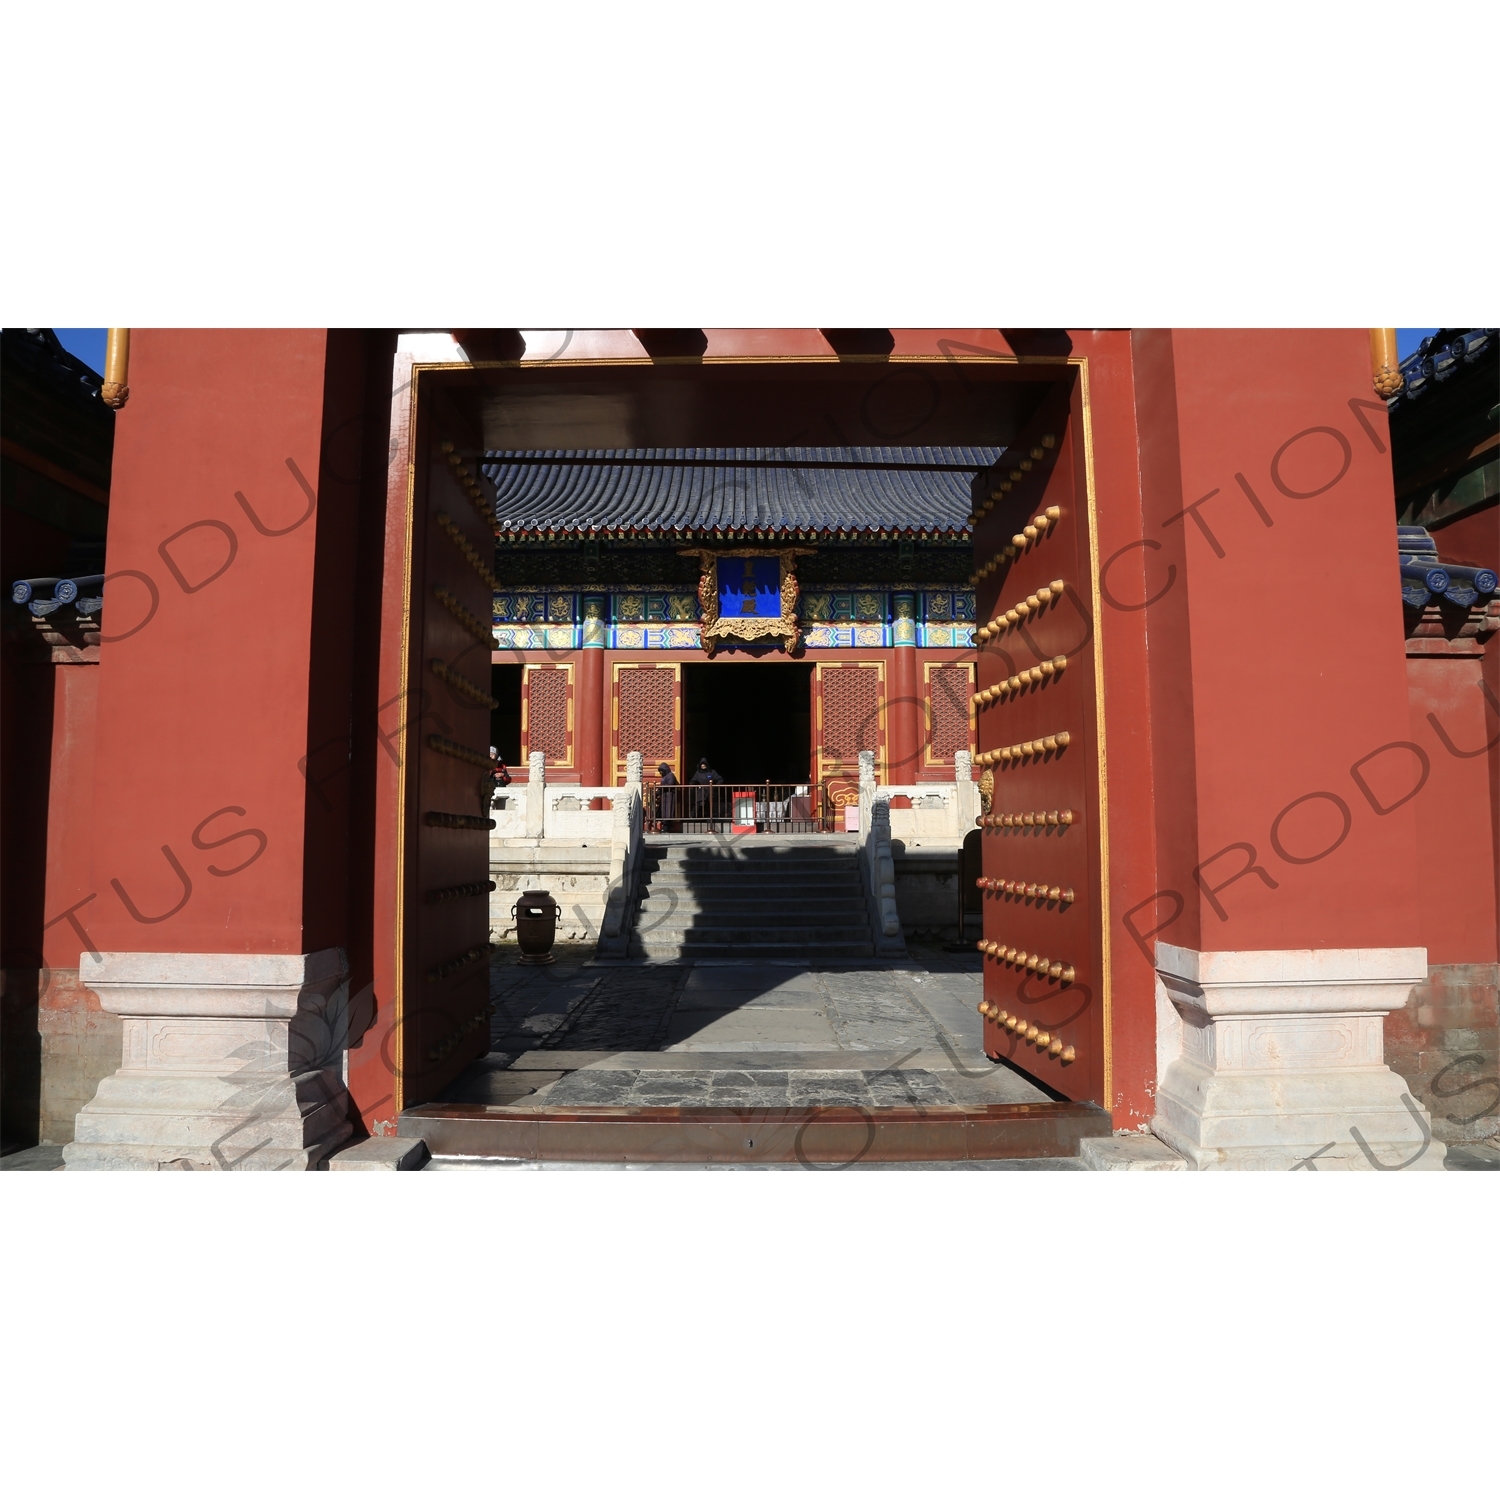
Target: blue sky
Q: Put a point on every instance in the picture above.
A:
(88, 343)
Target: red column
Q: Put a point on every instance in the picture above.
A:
(905, 709)
(592, 752)
(591, 717)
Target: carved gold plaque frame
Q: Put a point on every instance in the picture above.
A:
(714, 628)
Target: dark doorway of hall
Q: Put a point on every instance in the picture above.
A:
(505, 721)
(753, 720)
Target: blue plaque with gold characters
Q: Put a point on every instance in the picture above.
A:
(747, 594)
(749, 588)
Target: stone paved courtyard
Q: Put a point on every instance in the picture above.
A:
(581, 1032)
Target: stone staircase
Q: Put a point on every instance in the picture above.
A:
(763, 900)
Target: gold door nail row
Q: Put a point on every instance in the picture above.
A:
(460, 892)
(469, 550)
(1041, 892)
(439, 1050)
(1014, 684)
(1027, 748)
(1057, 818)
(1022, 468)
(458, 820)
(1043, 968)
(461, 684)
(444, 746)
(458, 962)
(1020, 611)
(473, 490)
(1029, 1031)
(484, 634)
(1032, 532)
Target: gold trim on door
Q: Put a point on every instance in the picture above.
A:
(617, 756)
(566, 668)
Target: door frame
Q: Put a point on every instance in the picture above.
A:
(417, 382)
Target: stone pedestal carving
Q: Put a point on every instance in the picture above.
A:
(1282, 1061)
(966, 798)
(536, 794)
(232, 1062)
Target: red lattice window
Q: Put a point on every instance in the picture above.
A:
(547, 712)
(851, 712)
(648, 713)
(948, 689)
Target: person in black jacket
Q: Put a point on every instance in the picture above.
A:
(705, 776)
(667, 819)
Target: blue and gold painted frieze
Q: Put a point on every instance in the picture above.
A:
(638, 620)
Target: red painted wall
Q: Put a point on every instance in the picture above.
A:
(1275, 641)
(225, 620)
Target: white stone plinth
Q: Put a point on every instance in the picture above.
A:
(232, 1062)
(1282, 1061)
(536, 795)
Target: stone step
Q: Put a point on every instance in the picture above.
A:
(852, 906)
(758, 881)
(740, 854)
(794, 869)
(694, 933)
(758, 857)
(667, 948)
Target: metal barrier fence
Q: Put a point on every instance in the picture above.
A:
(762, 807)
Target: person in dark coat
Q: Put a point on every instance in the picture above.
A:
(499, 778)
(705, 776)
(667, 816)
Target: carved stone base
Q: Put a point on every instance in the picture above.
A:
(232, 1062)
(1282, 1061)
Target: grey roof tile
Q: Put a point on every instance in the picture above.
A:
(694, 490)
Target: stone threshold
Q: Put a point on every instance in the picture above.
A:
(827, 1135)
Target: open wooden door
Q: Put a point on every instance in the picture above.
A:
(444, 915)
(1040, 742)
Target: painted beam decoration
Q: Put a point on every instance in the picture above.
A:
(748, 594)
(638, 619)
